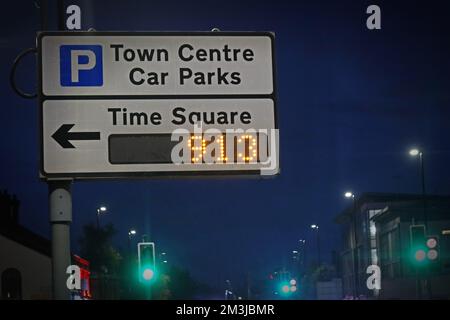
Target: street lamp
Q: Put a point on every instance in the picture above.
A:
(131, 234)
(316, 227)
(100, 210)
(163, 257)
(350, 195)
(414, 153)
(229, 290)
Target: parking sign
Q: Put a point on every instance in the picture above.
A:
(81, 65)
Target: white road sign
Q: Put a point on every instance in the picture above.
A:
(91, 137)
(160, 64)
(118, 104)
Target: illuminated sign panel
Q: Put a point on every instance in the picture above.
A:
(121, 105)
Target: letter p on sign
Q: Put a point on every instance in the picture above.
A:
(81, 65)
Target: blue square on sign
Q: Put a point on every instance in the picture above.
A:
(81, 65)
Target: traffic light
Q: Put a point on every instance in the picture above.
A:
(418, 247)
(146, 258)
(287, 288)
(424, 249)
(432, 245)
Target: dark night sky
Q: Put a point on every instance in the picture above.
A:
(351, 104)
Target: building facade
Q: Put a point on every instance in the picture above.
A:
(376, 231)
(25, 262)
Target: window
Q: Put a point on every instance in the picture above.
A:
(11, 284)
(390, 253)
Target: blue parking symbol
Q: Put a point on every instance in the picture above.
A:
(81, 65)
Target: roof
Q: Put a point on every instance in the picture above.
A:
(388, 198)
(435, 211)
(26, 237)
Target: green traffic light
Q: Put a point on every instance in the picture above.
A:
(287, 288)
(419, 256)
(147, 274)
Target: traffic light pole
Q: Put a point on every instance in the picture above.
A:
(60, 199)
(426, 280)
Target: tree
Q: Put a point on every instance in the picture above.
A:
(96, 247)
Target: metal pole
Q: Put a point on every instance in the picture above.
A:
(129, 246)
(60, 199)
(318, 247)
(422, 173)
(98, 219)
(355, 251)
(427, 279)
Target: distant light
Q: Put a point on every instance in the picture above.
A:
(102, 209)
(293, 288)
(163, 253)
(414, 152)
(314, 226)
(132, 232)
(293, 282)
(165, 261)
(302, 240)
(348, 194)
(294, 251)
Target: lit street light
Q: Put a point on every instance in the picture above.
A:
(163, 257)
(350, 195)
(229, 291)
(414, 153)
(316, 228)
(131, 234)
(100, 210)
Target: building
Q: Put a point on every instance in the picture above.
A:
(25, 258)
(376, 231)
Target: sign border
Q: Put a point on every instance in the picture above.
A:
(146, 174)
